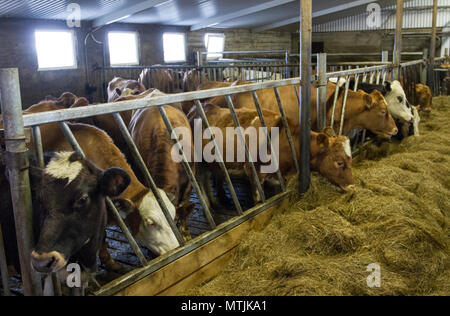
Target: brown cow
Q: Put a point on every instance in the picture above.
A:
(66, 100)
(331, 157)
(424, 97)
(161, 79)
(118, 85)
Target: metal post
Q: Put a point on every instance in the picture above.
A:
(385, 56)
(305, 108)
(398, 40)
(322, 92)
(434, 30)
(424, 67)
(18, 164)
(4, 267)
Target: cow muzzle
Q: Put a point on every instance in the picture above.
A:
(48, 262)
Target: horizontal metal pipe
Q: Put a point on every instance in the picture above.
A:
(110, 108)
(345, 73)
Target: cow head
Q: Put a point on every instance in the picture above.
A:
(374, 115)
(332, 158)
(72, 193)
(397, 102)
(148, 223)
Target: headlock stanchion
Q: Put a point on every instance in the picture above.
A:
(18, 168)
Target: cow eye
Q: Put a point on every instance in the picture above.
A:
(400, 99)
(340, 164)
(82, 201)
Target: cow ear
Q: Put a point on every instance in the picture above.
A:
(124, 206)
(323, 142)
(388, 86)
(329, 131)
(114, 182)
(80, 103)
(368, 102)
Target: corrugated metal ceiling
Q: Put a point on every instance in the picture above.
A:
(188, 12)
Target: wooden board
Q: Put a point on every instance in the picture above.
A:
(201, 264)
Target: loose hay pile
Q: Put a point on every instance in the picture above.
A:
(398, 217)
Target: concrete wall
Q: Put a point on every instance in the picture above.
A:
(17, 49)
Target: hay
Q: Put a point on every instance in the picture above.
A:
(398, 217)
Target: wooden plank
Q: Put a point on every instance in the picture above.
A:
(206, 261)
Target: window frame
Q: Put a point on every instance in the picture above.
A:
(185, 48)
(74, 49)
(138, 49)
(222, 35)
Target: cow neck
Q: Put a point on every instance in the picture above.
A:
(316, 156)
(351, 110)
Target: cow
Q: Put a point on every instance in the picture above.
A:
(161, 79)
(330, 156)
(66, 100)
(154, 142)
(137, 204)
(424, 98)
(118, 85)
(69, 215)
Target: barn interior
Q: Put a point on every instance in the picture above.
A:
(60, 46)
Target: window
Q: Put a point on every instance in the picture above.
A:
(123, 48)
(214, 43)
(174, 47)
(56, 50)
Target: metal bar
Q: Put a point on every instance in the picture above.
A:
(336, 96)
(221, 163)
(269, 140)
(344, 106)
(322, 92)
(74, 143)
(398, 40)
(288, 129)
(363, 70)
(110, 108)
(17, 164)
(305, 108)
(434, 30)
(4, 266)
(134, 151)
(245, 147)
(39, 151)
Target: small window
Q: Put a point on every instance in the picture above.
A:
(123, 48)
(56, 50)
(214, 43)
(174, 47)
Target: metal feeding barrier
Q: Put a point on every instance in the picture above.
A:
(14, 123)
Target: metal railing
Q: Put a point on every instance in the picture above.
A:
(35, 121)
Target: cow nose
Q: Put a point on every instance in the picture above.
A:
(47, 262)
(395, 131)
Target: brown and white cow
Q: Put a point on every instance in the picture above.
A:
(118, 86)
(330, 156)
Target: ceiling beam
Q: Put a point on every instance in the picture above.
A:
(317, 14)
(227, 17)
(127, 12)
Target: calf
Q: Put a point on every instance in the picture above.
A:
(118, 85)
(424, 98)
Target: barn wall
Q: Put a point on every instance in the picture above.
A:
(17, 49)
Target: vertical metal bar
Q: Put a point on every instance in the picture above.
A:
(221, 161)
(4, 266)
(336, 96)
(305, 108)
(322, 92)
(244, 145)
(269, 139)
(434, 30)
(187, 167)
(17, 164)
(37, 142)
(148, 177)
(398, 48)
(74, 143)
(355, 88)
(288, 129)
(344, 106)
